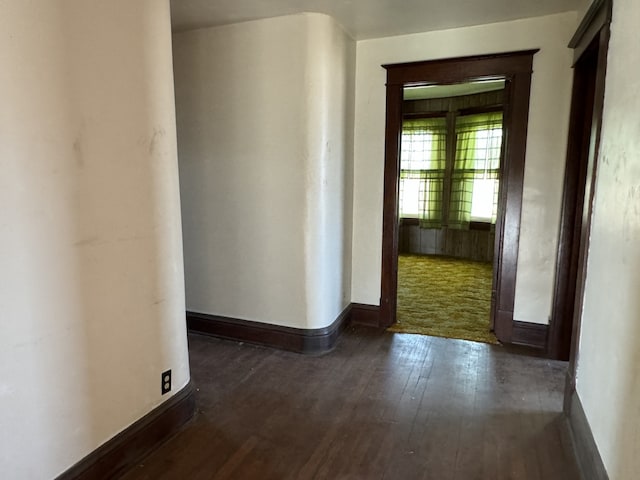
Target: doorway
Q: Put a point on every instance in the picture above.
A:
(576, 179)
(450, 168)
(515, 69)
(590, 44)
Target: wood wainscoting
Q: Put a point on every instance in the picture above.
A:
(473, 244)
(301, 340)
(126, 449)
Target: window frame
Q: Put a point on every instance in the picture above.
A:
(422, 116)
(451, 136)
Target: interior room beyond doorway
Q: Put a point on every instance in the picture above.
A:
(450, 169)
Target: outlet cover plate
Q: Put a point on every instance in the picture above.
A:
(166, 382)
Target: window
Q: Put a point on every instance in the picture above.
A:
(422, 169)
(476, 169)
(473, 175)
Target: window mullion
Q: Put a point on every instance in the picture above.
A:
(450, 158)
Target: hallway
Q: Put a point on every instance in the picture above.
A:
(381, 405)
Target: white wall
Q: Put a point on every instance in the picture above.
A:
(265, 147)
(546, 145)
(91, 284)
(330, 96)
(608, 381)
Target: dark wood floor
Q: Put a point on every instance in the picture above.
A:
(380, 406)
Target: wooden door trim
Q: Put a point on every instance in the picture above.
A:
(598, 15)
(601, 42)
(577, 179)
(516, 68)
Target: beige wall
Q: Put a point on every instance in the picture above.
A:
(265, 123)
(91, 284)
(546, 145)
(608, 381)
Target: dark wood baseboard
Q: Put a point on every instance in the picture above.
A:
(530, 334)
(584, 445)
(364, 314)
(126, 449)
(308, 341)
(503, 324)
(323, 339)
(523, 333)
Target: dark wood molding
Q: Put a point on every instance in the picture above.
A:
(418, 116)
(478, 110)
(454, 70)
(481, 226)
(390, 224)
(484, 102)
(584, 445)
(573, 198)
(364, 314)
(516, 69)
(587, 209)
(530, 334)
(508, 223)
(409, 221)
(501, 317)
(598, 15)
(590, 45)
(308, 341)
(126, 449)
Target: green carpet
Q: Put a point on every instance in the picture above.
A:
(444, 297)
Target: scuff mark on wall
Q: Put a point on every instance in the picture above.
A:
(77, 152)
(86, 241)
(78, 149)
(158, 133)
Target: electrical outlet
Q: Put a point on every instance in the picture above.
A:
(166, 382)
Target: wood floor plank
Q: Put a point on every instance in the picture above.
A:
(379, 406)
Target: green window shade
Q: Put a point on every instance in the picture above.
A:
(475, 178)
(422, 170)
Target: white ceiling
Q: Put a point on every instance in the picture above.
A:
(368, 18)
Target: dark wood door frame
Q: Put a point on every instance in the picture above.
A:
(516, 69)
(578, 179)
(590, 44)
